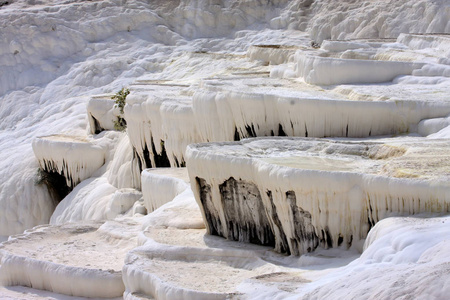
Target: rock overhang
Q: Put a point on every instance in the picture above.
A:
(315, 192)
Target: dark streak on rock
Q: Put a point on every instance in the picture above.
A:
(281, 241)
(245, 216)
(250, 130)
(213, 223)
(305, 238)
(147, 163)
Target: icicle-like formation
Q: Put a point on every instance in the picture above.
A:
(74, 158)
(224, 114)
(159, 129)
(120, 174)
(316, 193)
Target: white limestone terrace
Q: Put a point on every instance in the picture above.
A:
(159, 112)
(149, 115)
(84, 48)
(164, 116)
(264, 107)
(176, 259)
(74, 157)
(297, 194)
(71, 259)
(365, 61)
(101, 113)
(162, 185)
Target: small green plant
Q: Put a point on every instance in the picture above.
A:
(120, 99)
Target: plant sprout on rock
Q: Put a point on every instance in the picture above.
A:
(119, 98)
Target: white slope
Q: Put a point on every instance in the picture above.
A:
(342, 20)
(404, 258)
(92, 47)
(55, 55)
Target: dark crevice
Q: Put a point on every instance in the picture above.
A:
(250, 130)
(340, 240)
(181, 164)
(306, 131)
(213, 222)
(161, 160)
(328, 239)
(97, 127)
(236, 135)
(282, 240)
(281, 131)
(56, 184)
(346, 131)
(147, 163)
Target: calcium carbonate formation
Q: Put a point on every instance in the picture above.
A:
(318, 129)
(75, 158)
(298, 194)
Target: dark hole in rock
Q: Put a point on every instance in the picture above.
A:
(340, 240)
(236, 135)
(161, 160)
(281, 131)
(56, 184)
(97, 127)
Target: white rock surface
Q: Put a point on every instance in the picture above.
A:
(162, 185)
(203, 49)
(73, 259)
(297, 194)
(73, 157)
(403, 257)
(101, 113)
